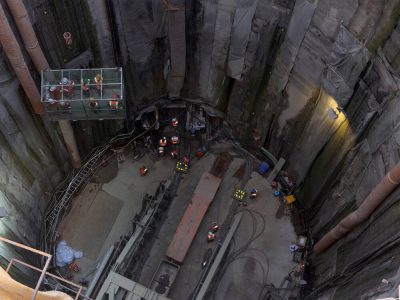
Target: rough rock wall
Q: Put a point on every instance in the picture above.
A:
(144, 48)
(335, 61)
(33, 160)
(355, 159)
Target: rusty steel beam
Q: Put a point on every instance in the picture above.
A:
(373, 200)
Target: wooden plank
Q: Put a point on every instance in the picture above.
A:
(278, 167)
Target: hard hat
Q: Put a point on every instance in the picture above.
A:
(52, 88)
(64, 80)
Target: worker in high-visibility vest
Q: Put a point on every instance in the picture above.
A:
(163, 142)
(99, 84)
(55, 92)
(253, 193)
(214, 227)
(174, 154)
(115, 102)
(211, 236)
(161, 151)
(94, 104)
(86, 87)
(143, 171)
(174, 122)
(175, 140)
(67, 87)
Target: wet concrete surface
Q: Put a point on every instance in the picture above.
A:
(260, 253)
(260, 249)
(126, 189)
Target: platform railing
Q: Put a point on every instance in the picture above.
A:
(43, 271)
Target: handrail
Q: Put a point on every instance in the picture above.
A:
(42, 271)
(78, 293)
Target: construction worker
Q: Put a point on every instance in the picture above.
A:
(211, 236)
(114, 103)
(186, 160)
(161, 151)
(175, 140)
(93, 104)
(174, 154)
(99, 84)
(174, 122)
(253, 193)
(163, 142)
(67, 87)
(52, 104)
(143, 171)
(55, 92)
(86, 87)
(64, 105)
(200, 152)
(214, 227)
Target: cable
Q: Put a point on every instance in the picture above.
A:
(237, 253)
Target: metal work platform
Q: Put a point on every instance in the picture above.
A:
(83, 94)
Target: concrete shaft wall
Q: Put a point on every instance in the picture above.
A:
(33, 161)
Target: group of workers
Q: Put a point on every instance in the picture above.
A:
(58, 95)
(164, 144)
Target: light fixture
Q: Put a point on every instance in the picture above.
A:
(332, 113)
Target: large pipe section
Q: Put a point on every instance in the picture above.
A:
(14, 55)
(28, 35)
(32, 46)
(373, 200)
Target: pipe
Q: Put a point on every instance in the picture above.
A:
(373, 200)
(70, 142)
(14, 55)
(32, 46)
(28, 35)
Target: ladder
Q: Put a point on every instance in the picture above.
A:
(59, 207)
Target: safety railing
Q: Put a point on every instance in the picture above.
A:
(43, 271)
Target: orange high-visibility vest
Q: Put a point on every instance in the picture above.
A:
(113, 104)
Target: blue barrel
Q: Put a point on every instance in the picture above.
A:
(263, 168)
